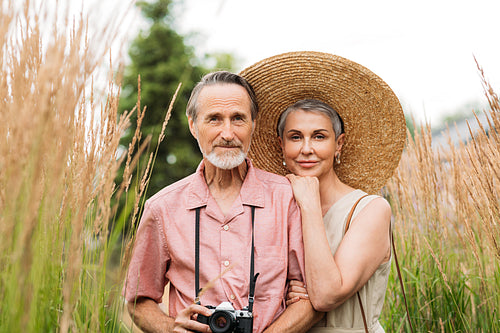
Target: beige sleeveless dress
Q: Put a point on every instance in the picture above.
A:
(347, 317)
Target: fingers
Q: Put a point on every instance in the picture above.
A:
(303, 182)
(299, 289)
(292, 300)
(293, 177)
(295, 295)
(296, 291)
(295, 299)
(297, 286)
(296, 283)
(291, 295)
(186, 319)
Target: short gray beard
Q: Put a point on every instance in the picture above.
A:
(226, 162)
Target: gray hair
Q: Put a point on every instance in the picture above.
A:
(313, 105)
(221, 77)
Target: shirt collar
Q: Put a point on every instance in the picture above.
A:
(251, 193)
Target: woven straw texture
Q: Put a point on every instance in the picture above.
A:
(373, 118)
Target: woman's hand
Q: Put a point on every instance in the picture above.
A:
(305, 191)
(296, 290)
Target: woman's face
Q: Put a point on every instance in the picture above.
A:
(309, 145)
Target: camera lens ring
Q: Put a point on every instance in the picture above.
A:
(222, 321)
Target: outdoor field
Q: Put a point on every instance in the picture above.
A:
(79, 158)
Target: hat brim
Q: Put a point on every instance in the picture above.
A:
(373, 118)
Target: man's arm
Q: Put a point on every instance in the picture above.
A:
(297, 317)
(149, 317)
(146, 314)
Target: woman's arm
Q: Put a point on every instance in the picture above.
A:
(332, 279)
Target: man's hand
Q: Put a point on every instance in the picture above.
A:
(186, 320)
(146, 314)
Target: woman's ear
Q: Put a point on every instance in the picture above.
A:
(340, 142)
(281, 143)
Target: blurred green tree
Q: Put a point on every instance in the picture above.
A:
(162, 59)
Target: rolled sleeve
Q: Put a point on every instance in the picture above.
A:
(146, 275)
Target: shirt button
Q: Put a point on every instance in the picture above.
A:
(232, 297)
(226, 263)
(226, 227)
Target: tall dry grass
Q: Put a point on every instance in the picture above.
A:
(446, 202)
(59, 156)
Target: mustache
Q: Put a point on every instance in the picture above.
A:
(231, 143)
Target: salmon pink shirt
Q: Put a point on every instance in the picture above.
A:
(164, 247)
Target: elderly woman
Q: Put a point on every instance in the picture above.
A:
(341, 132)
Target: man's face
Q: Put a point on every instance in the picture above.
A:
(224, 124)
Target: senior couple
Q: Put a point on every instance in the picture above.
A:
(246, 249)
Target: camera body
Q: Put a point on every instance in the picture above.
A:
(225, 319)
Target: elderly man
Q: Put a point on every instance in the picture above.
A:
(229, 227)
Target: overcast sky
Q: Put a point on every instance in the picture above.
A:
(423, 49)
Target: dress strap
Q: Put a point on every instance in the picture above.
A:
(349, 217)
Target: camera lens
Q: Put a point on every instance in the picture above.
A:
(222, 322)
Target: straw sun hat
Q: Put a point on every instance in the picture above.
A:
(374, 122)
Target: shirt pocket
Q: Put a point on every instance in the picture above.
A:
(272, 268)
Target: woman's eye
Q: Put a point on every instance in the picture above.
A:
(320, 137)
(295, 137)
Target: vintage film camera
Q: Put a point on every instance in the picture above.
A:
(225, 319)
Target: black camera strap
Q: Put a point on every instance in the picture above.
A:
(197, 256)
(253, 278)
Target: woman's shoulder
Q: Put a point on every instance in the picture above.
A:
(376, 200)
(359, 198)
(360, 201)
(365, 198)
(373, 206)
